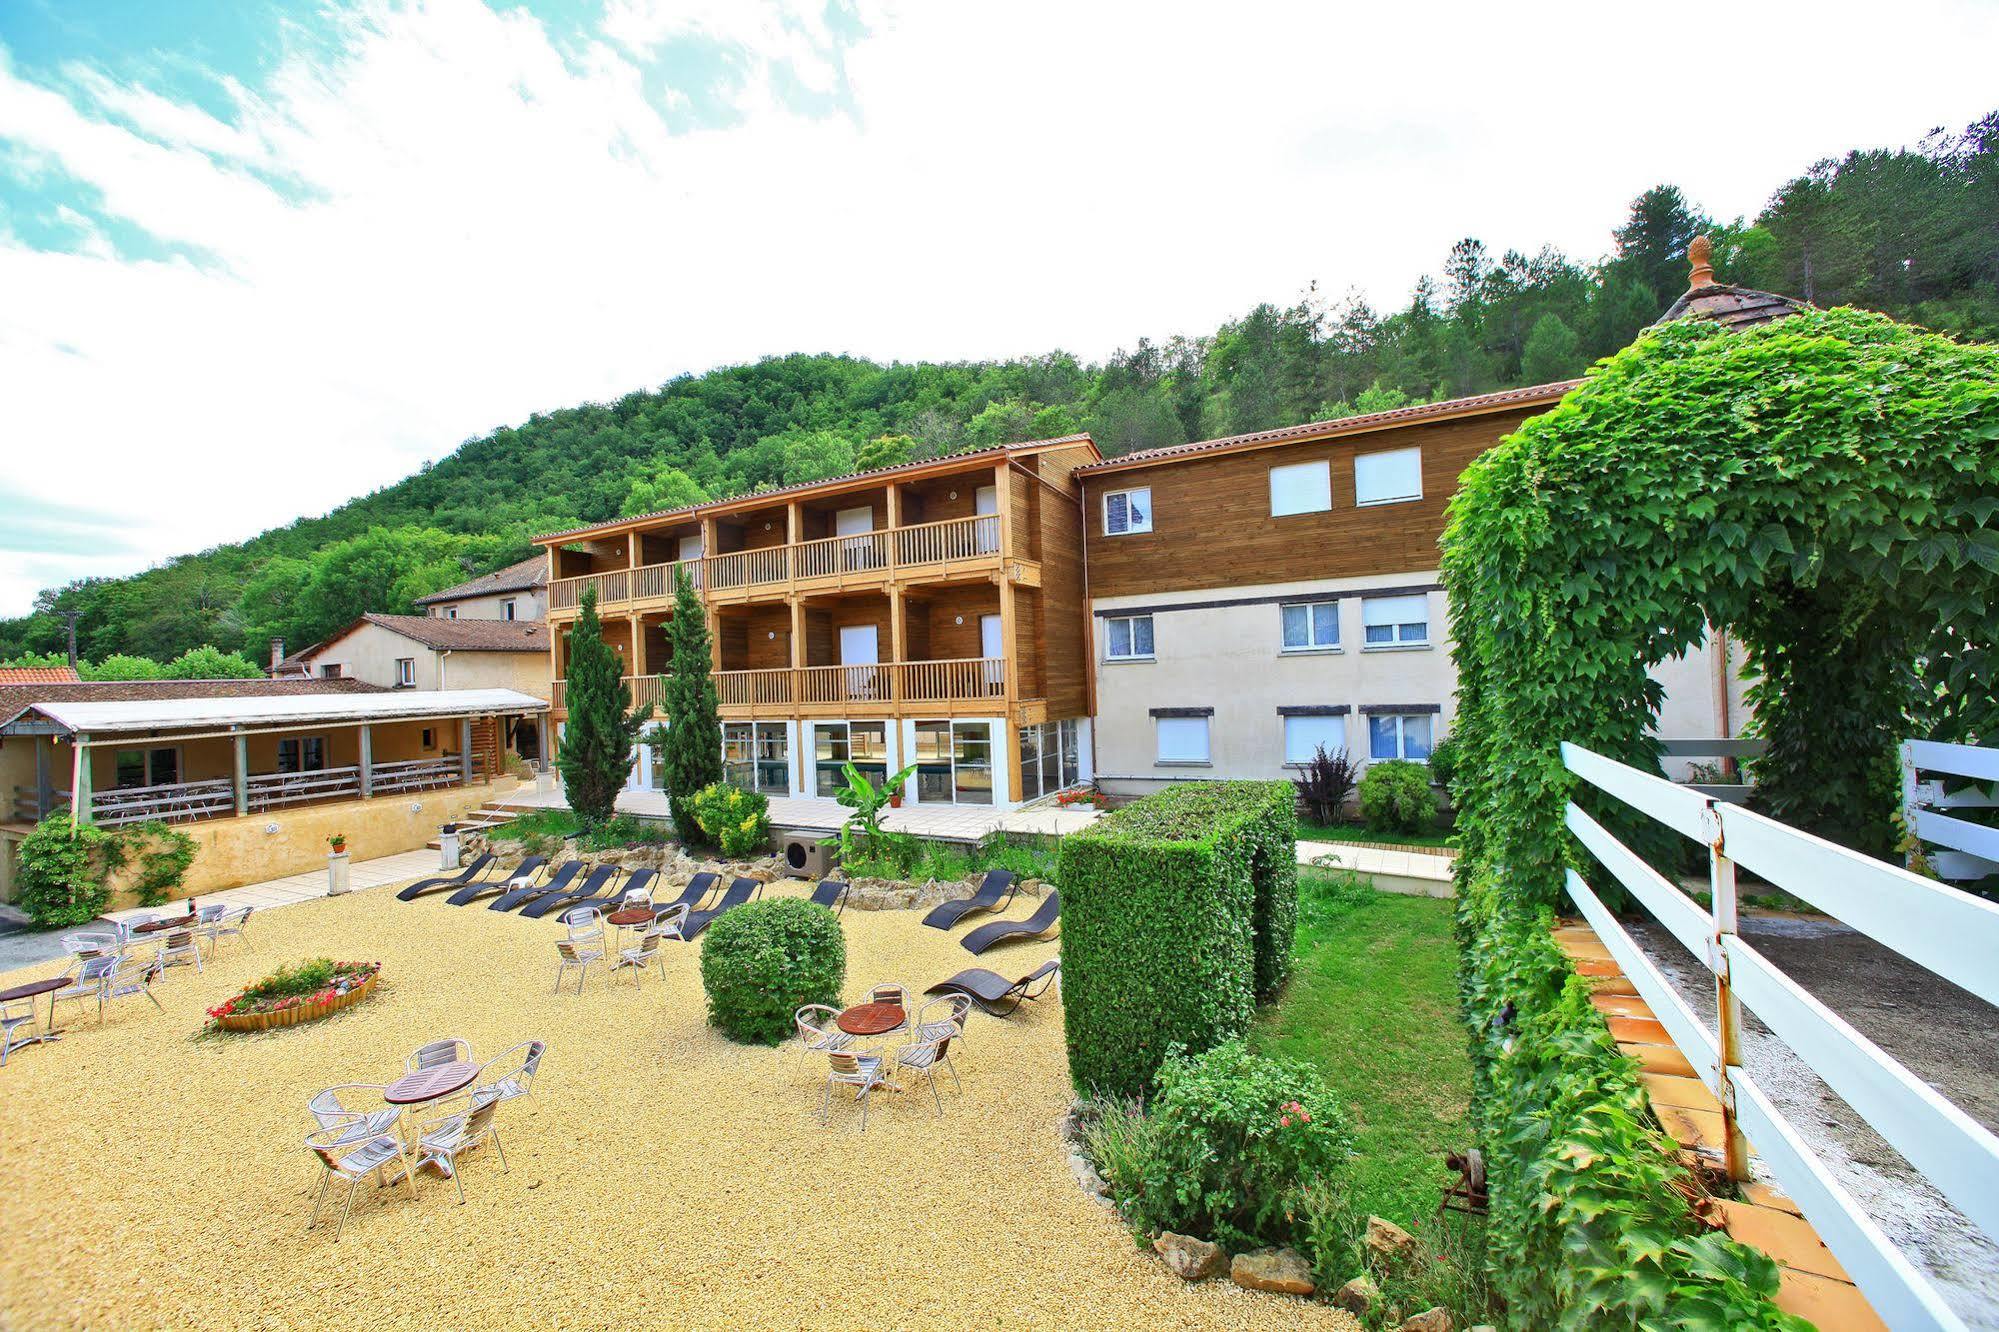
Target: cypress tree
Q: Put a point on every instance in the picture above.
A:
(693, 714)
(595, 755)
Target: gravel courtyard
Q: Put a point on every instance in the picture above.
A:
(153, 1175)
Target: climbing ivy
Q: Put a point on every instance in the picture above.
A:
(1824, 487)
(65, 870)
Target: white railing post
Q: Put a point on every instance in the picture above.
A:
(1728, 1008)
(1911, 794)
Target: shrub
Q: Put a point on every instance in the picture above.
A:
(1174, 909)
(1230, 1143)
(1444, 762)
(61, 876)
(1395, 796)
(1325, 783)
(763, 960)
(736, 820)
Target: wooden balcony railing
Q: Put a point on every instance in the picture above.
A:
(965, 680)
(742, 689)
(215, 797)
(938, 681)
(843, 557)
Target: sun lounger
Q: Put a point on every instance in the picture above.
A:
(994, 893)
(596, 890)
(564, 874)
(467, 875)
(529, 869)
(995, 993)
(556, 887)
(832, 894)
(1035, 926)
(739, 892)
(698, 887)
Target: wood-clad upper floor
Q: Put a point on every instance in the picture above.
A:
(1335, 499)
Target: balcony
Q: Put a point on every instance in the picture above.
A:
(884, 689)
(969, 546)
(215, 797)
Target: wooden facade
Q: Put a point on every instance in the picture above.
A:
(1211, 512)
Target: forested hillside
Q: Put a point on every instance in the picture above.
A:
(1913, 232)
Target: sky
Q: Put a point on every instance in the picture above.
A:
(256, 260)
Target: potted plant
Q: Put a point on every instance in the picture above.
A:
(338, 842)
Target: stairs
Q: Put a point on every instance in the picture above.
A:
(489, 815)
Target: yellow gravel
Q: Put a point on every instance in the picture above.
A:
(152, 1175)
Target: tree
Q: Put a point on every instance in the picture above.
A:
(595, 755)
(693, 749)
(122, 666)
(1652, 243)
(885, 451)
(665, 488)
(1553, 351)
(208, 662)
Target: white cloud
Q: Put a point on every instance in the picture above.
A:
(477, 224)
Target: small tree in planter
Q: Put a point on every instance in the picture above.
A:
(693, 742)
(596, 751)
(1326, 782)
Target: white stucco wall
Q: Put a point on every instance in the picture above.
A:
(370, 653)
(527, 606)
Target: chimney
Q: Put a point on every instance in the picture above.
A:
(277, 653)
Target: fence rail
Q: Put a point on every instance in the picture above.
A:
(1938, 927)
(1970, 849)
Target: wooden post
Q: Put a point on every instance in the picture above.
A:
(242, 786)
(638, 658)
(465, 750)
(545, 761)
(898, 614)
(893, 512)
(367, 760)
(1728, 1009)
(45, 785)
(634, 550)
(79, 779)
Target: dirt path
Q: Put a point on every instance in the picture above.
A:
(1945, 1035)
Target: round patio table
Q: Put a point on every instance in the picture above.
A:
(628, 918)
(156, 926)
(427, 1084)
(871, 1019)
(32, 991)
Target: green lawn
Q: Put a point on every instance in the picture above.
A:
(1354, 832)
(1372, 1004)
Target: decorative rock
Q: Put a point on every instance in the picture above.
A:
(1389, 1241)
(1191, 1259)
(1434, 1319)
(1358, 1295)
(1087, 1176)
(1281, 1271)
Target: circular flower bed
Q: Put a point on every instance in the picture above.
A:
(291, 995)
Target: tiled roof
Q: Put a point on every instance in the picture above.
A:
(458, 635)
(1733, 307)
(525, 576)
(1345, 425)
(995, 452)
(24, 675)
(13, 697)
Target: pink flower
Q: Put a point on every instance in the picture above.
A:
(1286, 1121)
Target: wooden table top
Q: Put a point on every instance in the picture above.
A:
(155, 926)
(870, 1019)
(430, 1083)
(33, 988)
(631, 916)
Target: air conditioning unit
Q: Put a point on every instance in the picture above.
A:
(808, 855)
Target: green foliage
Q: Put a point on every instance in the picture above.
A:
(692, 752)
(885, 451)
(1177, 911)
(595, 755)
(163, 854)
(123, 666)
(1443, 762)
(868, 802)
(667, 488)
(211, 663)
(60, 873)
(1553, 351)
(1229, 1143)
(736, 820)
(764, 960)
(303, 978)
(912, 859)
(1395, 797)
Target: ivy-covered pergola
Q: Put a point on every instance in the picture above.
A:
(1823, 486)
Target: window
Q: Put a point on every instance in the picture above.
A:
(1399, 736)
(331, 672)
(1396, 621)
(1301, 488)
(1183, 739)
(302, 753)
(1305, 736)
(757, 757)
(429, 739)
(834, 744)
(405, 672)
(1050, 759)
(1128, 637)
(450, 612)
(506, 608)
(1388, 478)
(145, 767)
(1310, 626)
(1128, 511)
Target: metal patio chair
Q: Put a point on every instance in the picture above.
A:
(514, 1079)
(449, 1050)
(447, 1137)
(129, 978)
(925, 1057)
(353, 1163)
(642, 955)
(863, 1070)
(336, 1108)
(579, 956)
(178, 946)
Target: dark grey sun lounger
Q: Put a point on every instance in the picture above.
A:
(528, 869)
(832, 894)
(994, 893)
(995, 993)
(739, 892)
(469, 874)
(697, 888)
(597, 890)
(564, 874)
(1036, 925)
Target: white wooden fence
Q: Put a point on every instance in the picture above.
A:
(1950, 932)
(1970, 850)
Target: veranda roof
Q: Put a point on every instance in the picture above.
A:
(114, 717)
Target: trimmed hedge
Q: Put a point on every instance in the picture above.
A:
(762, 961)
(1177, 911)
